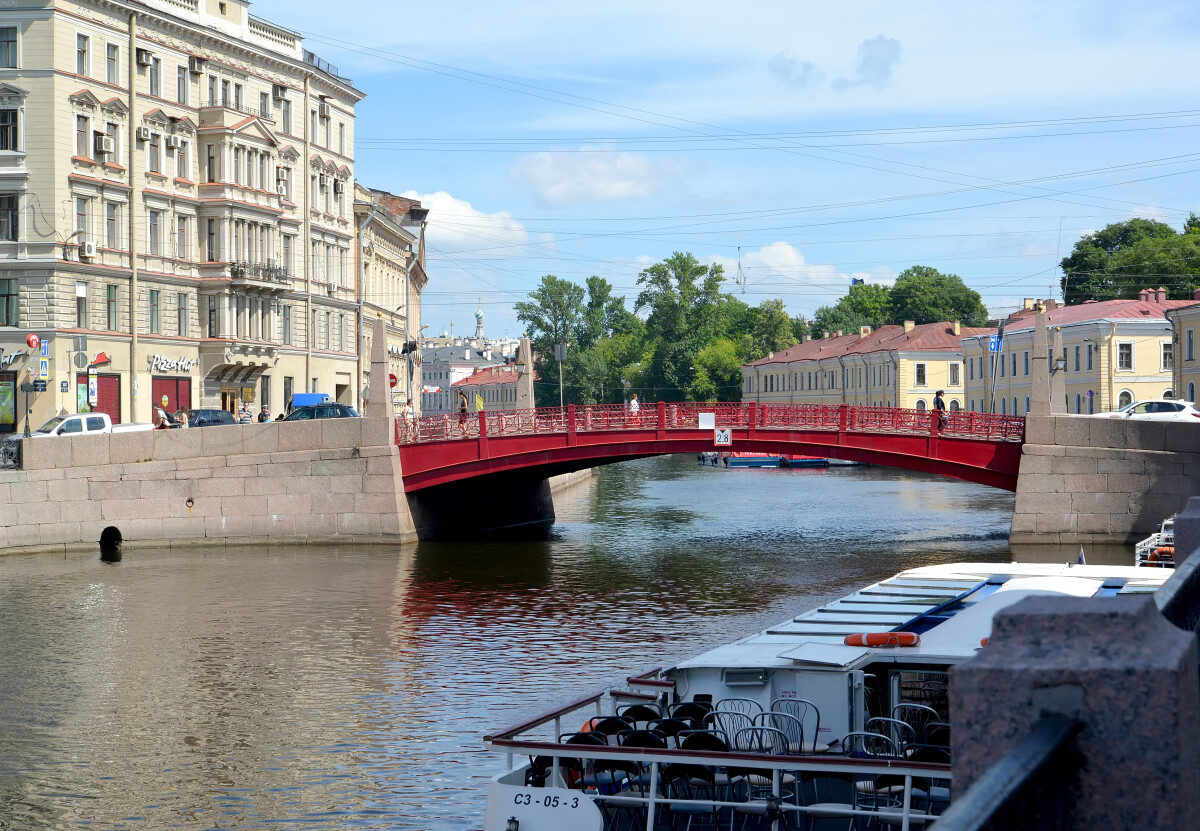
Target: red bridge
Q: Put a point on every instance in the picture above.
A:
(441, 450)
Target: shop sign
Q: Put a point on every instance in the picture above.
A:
(7, 359)
(161, 363)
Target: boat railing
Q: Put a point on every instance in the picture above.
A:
(1179, 597)
(898, 810)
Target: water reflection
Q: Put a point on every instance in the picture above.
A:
(251, 687)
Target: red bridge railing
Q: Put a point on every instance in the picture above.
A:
(660, 416)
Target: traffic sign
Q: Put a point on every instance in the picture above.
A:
(994, 343)
(722, 436)
(39, 386)
(43, 368)
(80, 360)
(393, 380)
(63, 387)
(26, 386)
(45, 348)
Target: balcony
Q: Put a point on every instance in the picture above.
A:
(224, 111)
(269, 275)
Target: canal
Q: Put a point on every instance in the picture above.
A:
(257, 687)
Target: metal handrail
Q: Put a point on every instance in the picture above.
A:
(1016, 791)
(685, 416)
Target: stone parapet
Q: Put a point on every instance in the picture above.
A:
(1102, 480)
(323, 481)
(1115, 665)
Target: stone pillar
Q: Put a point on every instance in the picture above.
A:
(525, 379)
(1114, 664)
(1039, 399)
(379, 399)
(1058, 378)
(1187, 530)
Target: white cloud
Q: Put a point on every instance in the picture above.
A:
(455, 225)
(794, 71)
(596, 174)
(876, 57)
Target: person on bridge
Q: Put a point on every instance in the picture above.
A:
(939, 404)
(462, 412)
(264, 414)
(633, 404)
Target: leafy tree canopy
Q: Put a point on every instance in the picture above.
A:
(1126, 257)
(925, 295)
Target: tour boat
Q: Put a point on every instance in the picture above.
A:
(620, 758)
(752, 460)
(1158, 549)
(796, 461)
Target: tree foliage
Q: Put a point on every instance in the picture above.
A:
(1126, 257)
(865, 304)
(925, 295)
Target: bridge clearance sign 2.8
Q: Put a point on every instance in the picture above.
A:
(722, 436)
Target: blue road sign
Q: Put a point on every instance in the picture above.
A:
(994, 343)
(45, 349)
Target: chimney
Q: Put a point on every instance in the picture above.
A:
(1160, 296)
(863, 331)
(909, 325)
(957, 328)
(1196, 294)
(827, 336)
(839, 334)
(1144, 295)
(1029, 304)
(1050, 305)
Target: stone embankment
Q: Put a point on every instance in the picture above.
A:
(1093, 479)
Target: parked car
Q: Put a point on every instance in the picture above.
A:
(1158, 409)
(82, 424)
(322, 411)
(207, 418)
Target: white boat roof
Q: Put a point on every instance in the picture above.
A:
(951, 606)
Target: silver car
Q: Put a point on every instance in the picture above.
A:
(1158, 409)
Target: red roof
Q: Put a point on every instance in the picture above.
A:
(931, 337)
(1103, 310)
(506, 374)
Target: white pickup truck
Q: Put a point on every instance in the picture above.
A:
(88, 424)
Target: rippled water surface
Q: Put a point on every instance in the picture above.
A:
(329, 688)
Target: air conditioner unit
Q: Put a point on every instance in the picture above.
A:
(323, 181)
(278, 92)
(174, 142)
(142, 134)
(337, 186)
(143, 57)
(105, 145)
(196, 65)
(323, 109)
(281, 188)
(332, 289)
(87, 250)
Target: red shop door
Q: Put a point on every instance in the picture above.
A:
(108, 395)
(177, 390)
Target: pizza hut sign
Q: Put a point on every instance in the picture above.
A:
(161, 363)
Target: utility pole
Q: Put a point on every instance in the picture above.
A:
(560, 355)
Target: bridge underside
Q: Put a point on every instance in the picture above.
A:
(437, 464)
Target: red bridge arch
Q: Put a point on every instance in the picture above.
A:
(439, 450)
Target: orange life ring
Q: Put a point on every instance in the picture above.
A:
(1165, 549)
(1152, 557)
(984, 641)
(884, 639)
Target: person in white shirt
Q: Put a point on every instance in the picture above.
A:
(633, 404)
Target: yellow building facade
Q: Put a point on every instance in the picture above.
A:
(1112, 353)
(176, 179)
(1185, 325)
(893, 366)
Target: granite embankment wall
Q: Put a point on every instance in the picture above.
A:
(1087, 479)
(332, 480)
(307, 482)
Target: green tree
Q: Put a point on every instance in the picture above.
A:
(772, 330)
(552, 315)
(865, 304)
(925, 295)
(800, 328)
(683, 297)
(1098, 267)
(718, 375)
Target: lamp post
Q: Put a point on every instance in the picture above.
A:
(560, 355)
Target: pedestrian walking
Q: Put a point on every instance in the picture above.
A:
(264, 414)
(462, 412)
(939, 405)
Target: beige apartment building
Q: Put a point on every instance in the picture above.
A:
(176, 179)
(1185, 322)
(1113, 352)
(893, 366)
(391, 248)
(493, 387)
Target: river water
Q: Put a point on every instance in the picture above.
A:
(328, 688)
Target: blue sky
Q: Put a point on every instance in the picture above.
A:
(811, 143)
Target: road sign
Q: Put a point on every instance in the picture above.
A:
(1090, 393)
(994, 343)
(80, 360)
(722, 436)
(393, 380)
(26, 386)
(43, 369)
(45, 349)
(39, 386)
(63, 387)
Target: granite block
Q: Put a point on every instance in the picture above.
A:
(378, 432)
(228, 526)
(1072, 432)
(260, 438)
(1108, 433)
(340, 432)
(1146, 435)
(222, 440)
(86, 451)
(300, 435)
(1039, 430)
(179, 444)
(124, 448)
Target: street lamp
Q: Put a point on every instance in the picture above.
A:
(560, 355)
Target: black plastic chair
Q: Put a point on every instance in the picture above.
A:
(609, 726)
(695, 710)
(640, 712)
(670, 727)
